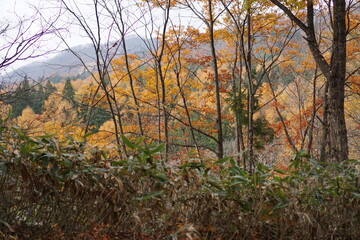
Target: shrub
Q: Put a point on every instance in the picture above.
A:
(58, 190)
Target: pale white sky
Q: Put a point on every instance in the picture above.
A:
(13, 10)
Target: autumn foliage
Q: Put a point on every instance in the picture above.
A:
(221, 131)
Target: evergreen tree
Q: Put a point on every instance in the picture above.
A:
(22, 98)
(49, 89)
(68, 92)
(39, 99)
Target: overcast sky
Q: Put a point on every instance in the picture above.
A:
(11, 11)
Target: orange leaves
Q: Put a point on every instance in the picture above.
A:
(355, 84)
(224, 75)
(277, 104)
(210, 88)
(203, 60)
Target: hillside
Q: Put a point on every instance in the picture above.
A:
(67, 64)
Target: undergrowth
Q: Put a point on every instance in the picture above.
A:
(53, 190)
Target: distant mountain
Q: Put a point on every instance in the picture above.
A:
(67, 64)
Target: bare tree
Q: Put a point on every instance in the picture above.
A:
(209, 17)
(22, 43)
(99, 31)
(23, 39)
(155, 41)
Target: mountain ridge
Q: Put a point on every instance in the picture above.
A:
(67, 64)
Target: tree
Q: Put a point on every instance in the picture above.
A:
(22, 39)
(49, 89)
(334, 69)
(123, 27)
(209, 18)
(68, 92)
(22, 97)
(104, 50)
(30, 122)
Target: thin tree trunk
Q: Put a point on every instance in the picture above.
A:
(325, 125)
(162, 78)
(240, 130)
(112, 100)
(236, 112)
(313, 115)
(158, 102)
(217, 84)
(250, 94)
(293, 147)
(187, 114)
(239, 46)
(178, 70)
(133, 93)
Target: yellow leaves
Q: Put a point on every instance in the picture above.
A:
(160, 3)
(78, 84)
(59, 110)
(352, 113)
(354, 84)
(287, 64)
(4, 110)
(296, 3)
(30, 122)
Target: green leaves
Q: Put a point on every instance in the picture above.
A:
(3, 168)
(60, 174)
(127, 142)
(148, 196)
(157, 149)
(137, 145)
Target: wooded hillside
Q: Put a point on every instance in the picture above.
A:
(243, 124)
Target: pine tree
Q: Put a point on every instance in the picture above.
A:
(39, 99)
(22, 98)
(68, 92)
(49, 89)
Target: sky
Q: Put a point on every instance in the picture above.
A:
(13, 10)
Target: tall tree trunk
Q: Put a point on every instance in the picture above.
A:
(239, 53)
(250, 92)
(129, 73)
(158, 101)
(187, 111)
(334, 71)
(325, 141)
(313, 114)
(238, 111)
(162, 78)
(220, 139)
(240, 131)
(338, 133)
(164, 108)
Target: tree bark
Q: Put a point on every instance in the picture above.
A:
(334, 71)
(250, 93)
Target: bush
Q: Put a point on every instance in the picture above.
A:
(59, 190)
